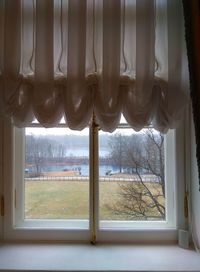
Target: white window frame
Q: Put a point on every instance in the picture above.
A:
(134, 231)
(155, 231)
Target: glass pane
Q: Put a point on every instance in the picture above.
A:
(132, 178)
(56, 173)
(122, 119)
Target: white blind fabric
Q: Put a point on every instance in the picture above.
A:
(72, 58)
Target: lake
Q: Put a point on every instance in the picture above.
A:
(84, 152)
(83, 168)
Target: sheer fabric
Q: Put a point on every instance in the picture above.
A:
(75, 58)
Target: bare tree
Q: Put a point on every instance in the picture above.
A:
(42, 150)
(61, 151)
(35, 153)
(155, 156)
(116, 144)
(138, 199)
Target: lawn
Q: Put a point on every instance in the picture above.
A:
(67, 199)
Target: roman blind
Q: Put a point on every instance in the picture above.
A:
(73, 58)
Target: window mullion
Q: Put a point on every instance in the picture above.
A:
(94, 174)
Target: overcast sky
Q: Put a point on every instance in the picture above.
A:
(67, 131)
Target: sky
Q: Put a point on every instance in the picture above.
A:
(55, 131)
(67, 131)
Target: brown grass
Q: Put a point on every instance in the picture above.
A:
(69, 199)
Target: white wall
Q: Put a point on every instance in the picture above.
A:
(195, 194)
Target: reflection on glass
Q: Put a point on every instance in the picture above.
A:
(56, 174)
(132, 178)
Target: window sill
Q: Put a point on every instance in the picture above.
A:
(100, 257)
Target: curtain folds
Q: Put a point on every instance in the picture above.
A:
(72, 58)
(192, 33)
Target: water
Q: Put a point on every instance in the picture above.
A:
(83, 168)
(104, 169)
(84, 152)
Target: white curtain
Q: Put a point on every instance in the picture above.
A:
(78, 57)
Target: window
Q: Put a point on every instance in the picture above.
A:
(92, 185)
(100, 59)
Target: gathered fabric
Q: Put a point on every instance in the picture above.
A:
(77, 58)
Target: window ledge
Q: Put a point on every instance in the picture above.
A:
(100, 257)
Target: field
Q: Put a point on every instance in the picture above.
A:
(68, 199)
